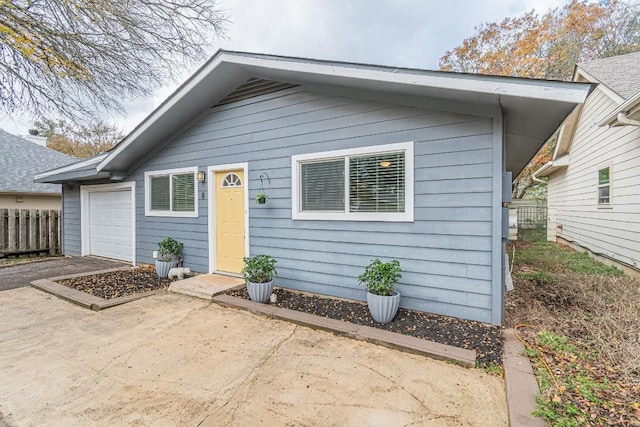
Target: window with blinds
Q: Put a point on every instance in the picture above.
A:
(182, 193)
(370, 183)
(376, 183)
(160, 193)
(322, 185)
(171, 192)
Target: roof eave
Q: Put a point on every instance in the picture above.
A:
(228, 68)
(54, 175)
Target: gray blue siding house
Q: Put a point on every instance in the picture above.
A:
(358, 161)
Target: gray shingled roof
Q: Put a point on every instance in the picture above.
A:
(21, 159)
(618, 73)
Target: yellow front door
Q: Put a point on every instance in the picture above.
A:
(229, 213)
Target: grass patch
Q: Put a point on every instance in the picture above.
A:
(547, 257)
(586, 318)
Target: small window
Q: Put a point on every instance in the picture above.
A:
(604, 186)
(231, 180)
(363, 184)
(171, 193)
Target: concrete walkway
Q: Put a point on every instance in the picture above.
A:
(16, 276)
(174, 360)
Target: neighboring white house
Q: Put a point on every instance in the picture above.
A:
(594, 174)
(20, 159)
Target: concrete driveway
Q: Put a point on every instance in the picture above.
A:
(172, 360)
(16, 276)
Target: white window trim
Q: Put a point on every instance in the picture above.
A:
(147, 193)
(406, 216)
(85, 240)
(610, 185)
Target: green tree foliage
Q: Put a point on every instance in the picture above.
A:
(81, 141)
(548, 46)
(72, 57)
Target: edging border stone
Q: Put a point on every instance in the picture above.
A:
(460, 356)
(521, 383)
(83, 299)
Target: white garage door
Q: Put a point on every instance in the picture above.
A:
(110, 224)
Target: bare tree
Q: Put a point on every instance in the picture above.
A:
(74, 57)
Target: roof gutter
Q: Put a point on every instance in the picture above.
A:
(622, 118)
(550, 167)
(542, 169)
(620, 114)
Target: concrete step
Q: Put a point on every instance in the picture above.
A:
(206, 286)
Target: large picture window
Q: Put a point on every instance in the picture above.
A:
(364, 184)
(171, 193)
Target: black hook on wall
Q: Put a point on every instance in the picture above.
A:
(264, 175)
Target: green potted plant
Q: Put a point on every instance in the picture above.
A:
(380, 278)
(261, 198)
(258, 272)
(169, 253)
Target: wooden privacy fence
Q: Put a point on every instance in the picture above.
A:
(24, 231)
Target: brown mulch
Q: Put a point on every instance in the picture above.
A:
(118, 283)
(485, 339)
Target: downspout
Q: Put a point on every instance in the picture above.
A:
(622, 118)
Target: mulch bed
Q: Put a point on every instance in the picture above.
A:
(485, 339)
(118, 283)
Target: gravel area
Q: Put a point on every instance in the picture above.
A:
(118, 283)
(485, 339)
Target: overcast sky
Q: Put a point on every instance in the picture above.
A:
(403, 33)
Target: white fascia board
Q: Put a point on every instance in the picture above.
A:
(497, 85)
(625, 107)
(566, 131)
(71, 167)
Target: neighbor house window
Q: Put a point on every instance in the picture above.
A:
(171, 193)
(363, 184)
(604, 186)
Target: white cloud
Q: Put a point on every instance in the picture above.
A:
(406, 33)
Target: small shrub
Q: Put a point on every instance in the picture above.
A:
(259, 269)
(380, 278)
(170, 249)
